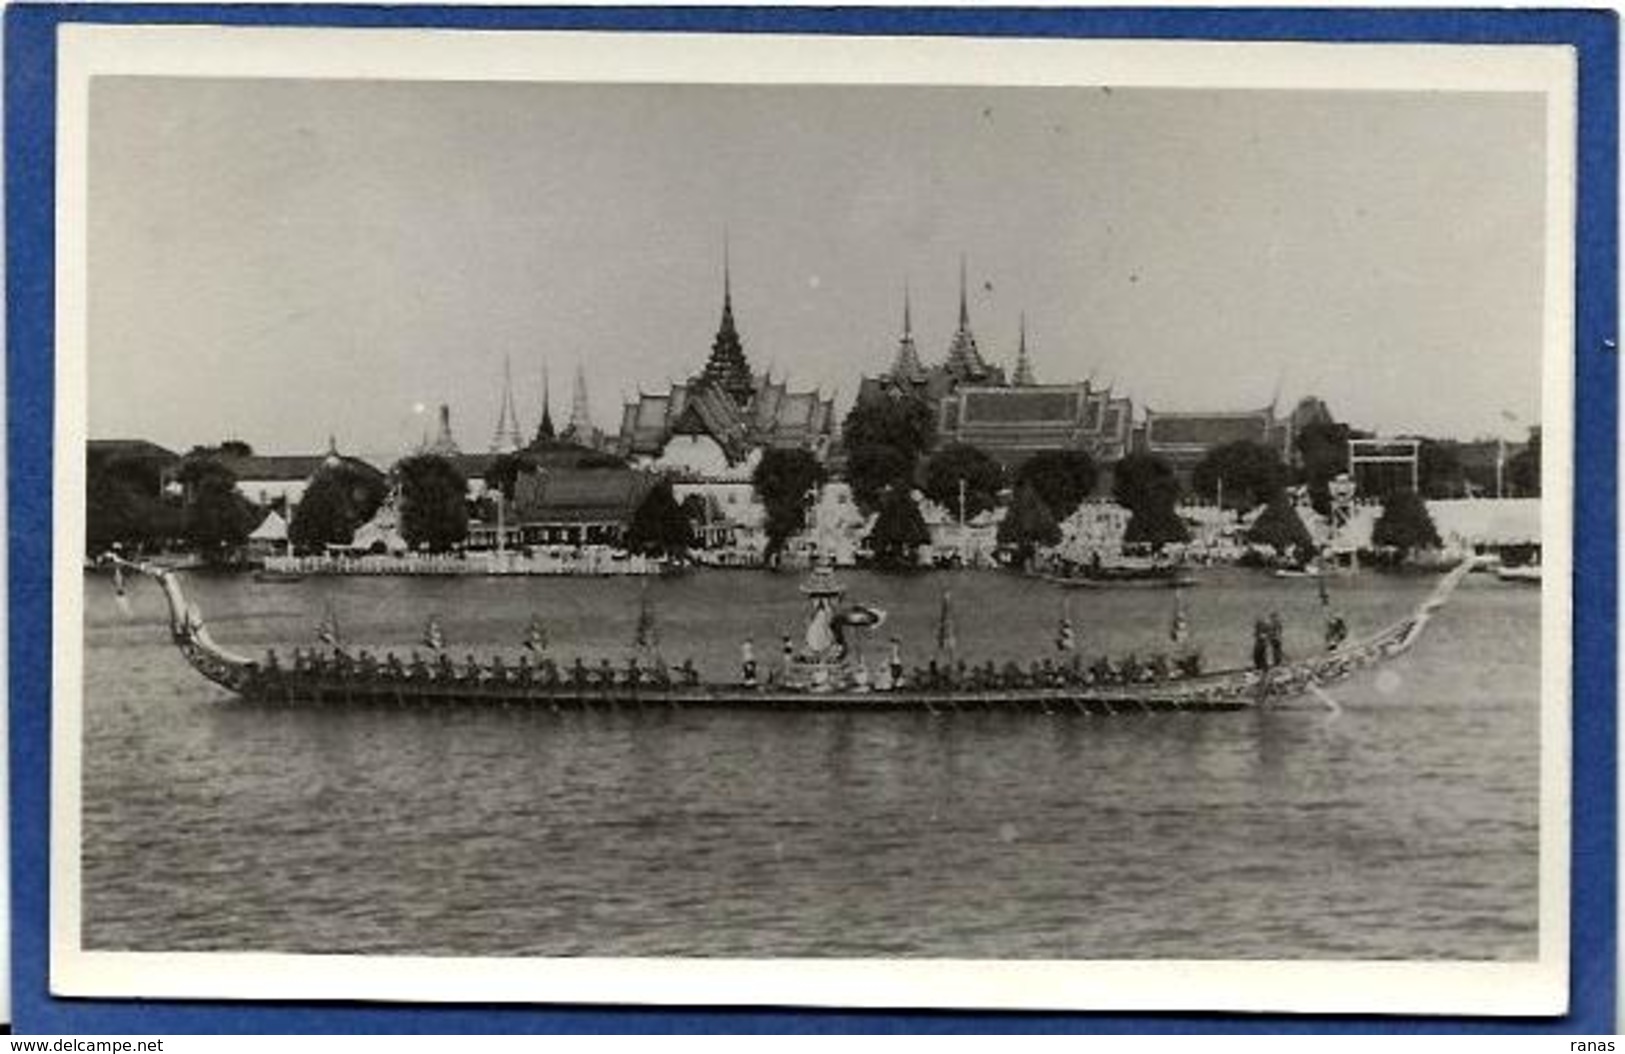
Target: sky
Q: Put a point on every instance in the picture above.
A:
(282, 260)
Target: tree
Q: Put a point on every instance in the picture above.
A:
(1523, 468)
(1156, 523)
(503, 473)
(1249, 472)
(1440, 470)
(872, 471)
(898, 532)
(434, 503)
(885, 437)
(782, 481)
(1028, 524)
(1323, 454)
(226, 448)
(660, 527)
(1280, 527)
(1405, 524)
(123, 507)
(1142, 479)
(340, 498)
(958, 463)
(905, 423)
(218, 518)
(1062, 478)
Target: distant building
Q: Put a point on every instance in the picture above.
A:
(280, 480)
(708, 434)
(1014, 423)
(1184, 438)
(577, 506)
(1012, 419)
(963, 363)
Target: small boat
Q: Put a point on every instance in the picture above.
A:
(820, 676)
(273, 576)
(1098, 575)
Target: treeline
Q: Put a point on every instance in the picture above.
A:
(139, 504)
(891, 451)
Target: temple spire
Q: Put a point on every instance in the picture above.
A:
(443, 443)
(964, 307)
(727, 280)
(544, 431)
(964, 361)
(1024, 366)
(508, 436)
(727, 368)
(580, 428)
(906, 365)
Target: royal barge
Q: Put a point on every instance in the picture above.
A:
(820, 675)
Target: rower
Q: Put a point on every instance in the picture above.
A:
(860, 677)
(895, 663)
(1277, 645)
(1337, 631)
(747, 663)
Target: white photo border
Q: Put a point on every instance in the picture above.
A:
(1539, 987)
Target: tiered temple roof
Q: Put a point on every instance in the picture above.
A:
(1014, 423)
(1181, 437)
(741, 411)
(773, 417)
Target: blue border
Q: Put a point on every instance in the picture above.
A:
(30, 72)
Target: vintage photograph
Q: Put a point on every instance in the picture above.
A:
(838, 521)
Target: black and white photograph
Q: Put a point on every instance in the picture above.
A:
(812, 521)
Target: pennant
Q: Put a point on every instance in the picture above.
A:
(1179, 630)
(947, 638)
(120, 595)
(1065, 638)
(327, 630)
(647, 634)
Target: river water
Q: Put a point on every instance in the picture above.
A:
(1404, 827)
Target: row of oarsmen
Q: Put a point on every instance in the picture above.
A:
(1048, 673)
(544, 673)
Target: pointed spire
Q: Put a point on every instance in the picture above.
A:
(443, 443)
(906, 367)
(580, 428)
(727, 278)
(964, 362)
(727, 368)
(1024, 366)
(508, 436)
(544, 430)
(964, 307)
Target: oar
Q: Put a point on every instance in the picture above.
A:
(1331, 704)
